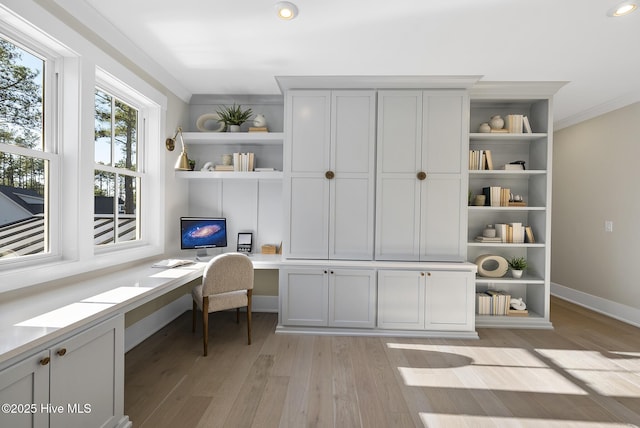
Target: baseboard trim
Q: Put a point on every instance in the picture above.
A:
(141, 330)
(606, 307)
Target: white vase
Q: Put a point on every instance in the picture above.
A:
(496, 122)
(516, 273)
(259, 121)
(233, 128)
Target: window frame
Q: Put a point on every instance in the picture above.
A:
(79, 66)
(50, 150)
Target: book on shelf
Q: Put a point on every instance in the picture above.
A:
(480, 160)
(496, 196)
(528, 231)
(243, 162)
(258, 129)
(492, 302)
(497, 239)
(526, 124)
(514, 123)
(518, 313)
(500, 131)
(510, 233)
(517, 204)
(223, 168)
(264, 169)
(513, 167)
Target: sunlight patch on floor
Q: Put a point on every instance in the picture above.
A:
(538, 380)
(447, 420)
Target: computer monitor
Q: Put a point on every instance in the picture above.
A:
(200, 233)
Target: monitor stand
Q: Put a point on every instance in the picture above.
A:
(202, 255)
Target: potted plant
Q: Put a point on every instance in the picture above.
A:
(234, 116)
(517, 265)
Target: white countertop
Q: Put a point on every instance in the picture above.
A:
(40, 317)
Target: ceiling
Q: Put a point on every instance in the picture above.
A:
(238, 46)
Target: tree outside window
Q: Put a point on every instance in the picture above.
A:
(24, 159)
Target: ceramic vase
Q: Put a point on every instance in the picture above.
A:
(496, 122)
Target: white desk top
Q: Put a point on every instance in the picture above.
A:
(40, 317)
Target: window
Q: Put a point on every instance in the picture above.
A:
(116, 178)
(26, 154)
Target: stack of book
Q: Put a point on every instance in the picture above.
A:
(492, 302)
(496, 196)
(516, 123)
(514, 233)
(480, 160)
(258, 129)
(243, 161)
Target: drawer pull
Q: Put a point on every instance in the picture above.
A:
(45, 361)
(421, 175)
(62, 351)
(329, 175)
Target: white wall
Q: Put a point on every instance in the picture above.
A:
(595, 179)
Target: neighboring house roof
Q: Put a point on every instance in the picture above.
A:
(30, 200)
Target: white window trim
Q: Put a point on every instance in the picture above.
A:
(81, 66)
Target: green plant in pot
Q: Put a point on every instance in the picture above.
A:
(234, 116)
(517, 265)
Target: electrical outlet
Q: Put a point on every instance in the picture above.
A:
(608, 226)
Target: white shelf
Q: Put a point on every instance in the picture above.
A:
(485, 208)
(500, 173)
(230, 175)
(499, 136)
(506, 244)
(263, 138)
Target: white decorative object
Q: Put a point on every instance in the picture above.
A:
(496, 122)
(516, 273)
(259, 121)
(484, 127)
(210, 122)
(492, 266)
(517, 304)
(207, 167)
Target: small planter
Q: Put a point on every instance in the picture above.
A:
(234, 128)
(516, 273)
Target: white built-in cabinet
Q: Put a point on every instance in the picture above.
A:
(421, 173)
(426, 300)
(78, 382)
(329, 168)
(327, 297)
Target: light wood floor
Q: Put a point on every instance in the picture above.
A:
(585, 373)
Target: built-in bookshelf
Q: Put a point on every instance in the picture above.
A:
(529, 180)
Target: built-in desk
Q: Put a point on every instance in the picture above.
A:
(62, 348)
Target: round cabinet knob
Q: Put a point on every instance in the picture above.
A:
(329, 175)
(45, 361)
(421, 273)
(421, 175)
(61, 352)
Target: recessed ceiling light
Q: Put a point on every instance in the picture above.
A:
(624, 8)
(286, 10)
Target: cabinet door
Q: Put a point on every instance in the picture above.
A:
(352, 298)
(442, 232)
(87, 377)
(401, 300)
(450, 301)
(352, 160)
(443, 200)
(306, 160)
(398, 189)
(25, 384)
(304, 297)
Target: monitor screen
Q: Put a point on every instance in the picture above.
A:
(202, 232)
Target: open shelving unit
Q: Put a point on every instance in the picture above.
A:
(210, 146)
(533, 100)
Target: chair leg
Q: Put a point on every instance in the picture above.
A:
(205, 324)
(195, 309)
(249, 292)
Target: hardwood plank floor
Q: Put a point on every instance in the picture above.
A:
(584, 373)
